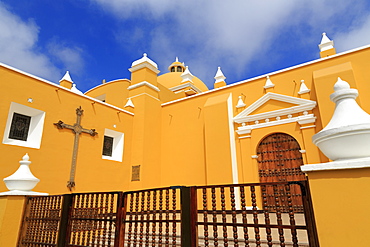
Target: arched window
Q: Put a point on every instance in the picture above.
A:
(179, 69)
(173, 69)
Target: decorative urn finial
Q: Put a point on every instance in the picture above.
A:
(347, 135)
(22, 179)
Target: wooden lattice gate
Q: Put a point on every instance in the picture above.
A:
(279, 160)
(84, 220)
(216, 215)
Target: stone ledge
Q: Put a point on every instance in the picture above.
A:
(338, 165)
(22, 193)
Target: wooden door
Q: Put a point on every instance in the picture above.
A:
(279, 160)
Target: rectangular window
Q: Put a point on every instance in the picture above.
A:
(108, 146)
(19, 127)
(113, 145)
(24, 126)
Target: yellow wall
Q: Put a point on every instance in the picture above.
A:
(341, 205)
(11, 210)
(178, 140)
(174, 141)
(51, 163)
(184, 127)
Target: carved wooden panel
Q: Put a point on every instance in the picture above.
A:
(279, 160)
(135, 173)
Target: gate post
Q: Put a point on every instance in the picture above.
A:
(189, 215)
(63, 235)
(309, 216)
(119, 239)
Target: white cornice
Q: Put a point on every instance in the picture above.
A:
(309, 118)
(185, 85)
(144, 65)
(146, 95)
(143, 83)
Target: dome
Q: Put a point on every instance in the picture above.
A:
(173, 78)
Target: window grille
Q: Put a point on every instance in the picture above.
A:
(108, 146)
(19, 127)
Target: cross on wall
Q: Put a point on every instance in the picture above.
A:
(77, 129)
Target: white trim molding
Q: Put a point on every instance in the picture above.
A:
(35, 129)
(234, 162)
(338, 165)
(144, 65)
(143, 83)
(273, 118)
(185, 85)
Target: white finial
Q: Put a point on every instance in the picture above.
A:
(145, 60)
(340, 84)
(326, 43)
(26, 157)
(177, 59)
(187, 75)
(347, 135)
(240, 102)
(268, 83)
(129, 103)
(219, 77)
(66, 77)
(324, 39)
(303, 89)
(22, 181)
(75, 90)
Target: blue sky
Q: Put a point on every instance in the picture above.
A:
(99, 39)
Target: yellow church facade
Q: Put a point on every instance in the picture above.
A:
(162, 130)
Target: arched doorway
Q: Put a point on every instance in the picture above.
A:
(279, 160)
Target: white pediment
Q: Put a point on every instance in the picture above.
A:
(261, 117)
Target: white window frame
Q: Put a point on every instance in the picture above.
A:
(118, 145)
(35, 130)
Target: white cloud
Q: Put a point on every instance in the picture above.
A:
(18, 48)
(69, 56)
(129, 8)
(359, 35)
(232, 34)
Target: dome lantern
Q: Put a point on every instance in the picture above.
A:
(177, 66)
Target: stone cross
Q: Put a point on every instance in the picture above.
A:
(77, 129)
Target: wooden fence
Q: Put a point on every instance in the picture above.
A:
(220, 215)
